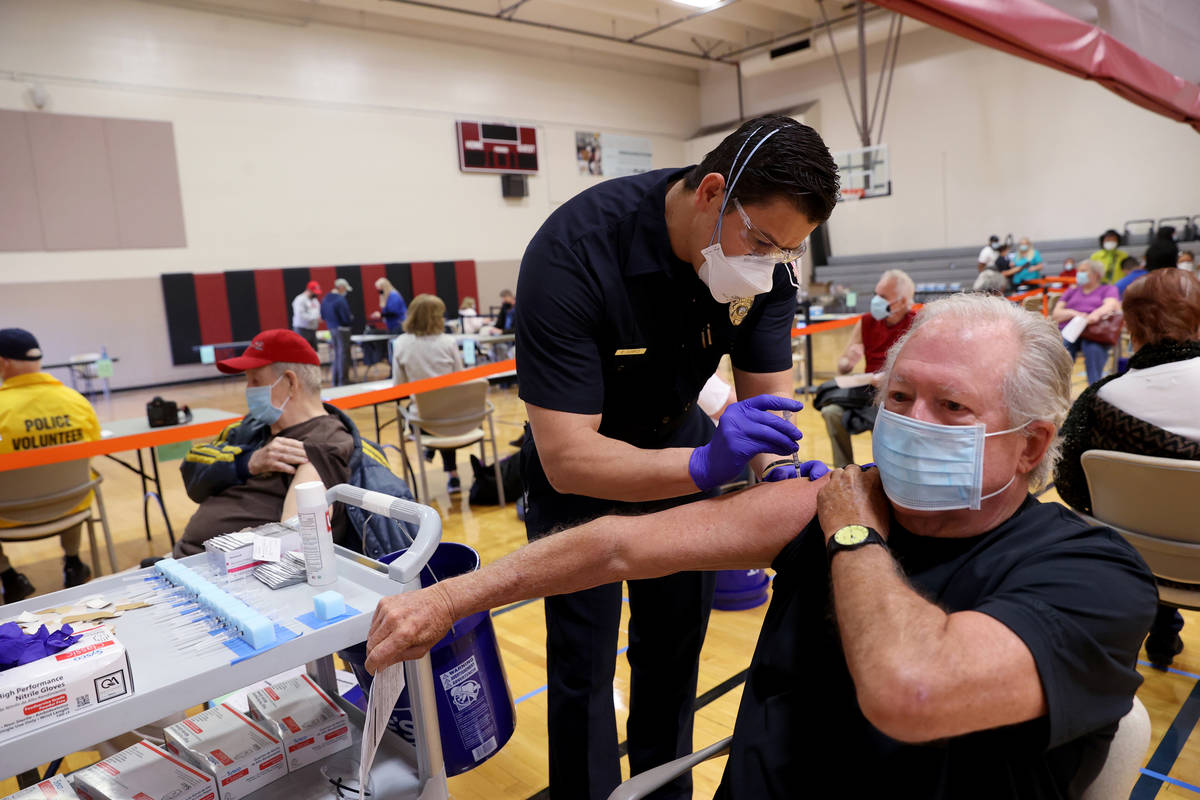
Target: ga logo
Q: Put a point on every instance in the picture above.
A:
(465, 694)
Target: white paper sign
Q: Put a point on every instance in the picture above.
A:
(1074, 328)
(266, 548)
(385, 690)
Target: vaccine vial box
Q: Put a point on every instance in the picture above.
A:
(56, 787)
(90, 673)
(236, 751)
(143, 772)
(310, 725)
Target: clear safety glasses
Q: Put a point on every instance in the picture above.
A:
(759, 244)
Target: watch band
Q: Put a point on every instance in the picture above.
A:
(852, 537)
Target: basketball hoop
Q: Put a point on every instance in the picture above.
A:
(853, 193)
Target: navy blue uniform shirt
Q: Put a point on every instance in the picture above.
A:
(611, 322)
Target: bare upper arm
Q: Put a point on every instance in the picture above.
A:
(981, 676)
(304, 472)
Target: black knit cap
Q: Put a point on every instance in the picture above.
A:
(19, 345)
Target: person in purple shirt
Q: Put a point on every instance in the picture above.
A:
(1093, 300)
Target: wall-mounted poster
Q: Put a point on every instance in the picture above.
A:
(587, 153)
(611, 155)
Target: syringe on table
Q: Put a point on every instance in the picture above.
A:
(201, 614)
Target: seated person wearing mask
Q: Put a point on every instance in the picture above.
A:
(245, 477)
(890, 315)
(1094, 301)
(1186, 261)
(1150, 410)
(987, 255)
(932, 625)
(1110, 255)
(1027, 265)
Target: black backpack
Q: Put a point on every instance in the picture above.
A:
(483, 490)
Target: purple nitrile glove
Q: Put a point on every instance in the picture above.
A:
(780, 473)
(747, 428)
(812, 470)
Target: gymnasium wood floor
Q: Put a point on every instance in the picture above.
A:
(519, 770)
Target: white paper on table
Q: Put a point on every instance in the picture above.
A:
(1073, 328)
(854, 381)
(385, 690)
(266, 548)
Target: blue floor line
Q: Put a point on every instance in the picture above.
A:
(534, 693)
(1168, 779)
(543, 687)
(1171, 670)
(1168, 750)
(514, 606)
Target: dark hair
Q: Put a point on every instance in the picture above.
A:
(1162, 252)
(794, 163)
(1164, 305)
(1130, 263)
(1111, 232)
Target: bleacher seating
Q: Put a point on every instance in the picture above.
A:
(938, 272)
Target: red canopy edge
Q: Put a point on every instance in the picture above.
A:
(1041, 33)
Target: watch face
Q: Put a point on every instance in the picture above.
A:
(851, 535)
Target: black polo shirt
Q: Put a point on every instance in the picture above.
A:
(1079, 596)
(611, 322)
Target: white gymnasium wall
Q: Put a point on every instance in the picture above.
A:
(303, 145)
(982, 142)
(312, 144)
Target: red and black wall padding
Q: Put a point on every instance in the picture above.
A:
(234, 306)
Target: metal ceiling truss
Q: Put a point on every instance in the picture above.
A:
(864, 123)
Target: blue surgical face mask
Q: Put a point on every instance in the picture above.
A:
(880, 308)
(929, 467)
(259, 405)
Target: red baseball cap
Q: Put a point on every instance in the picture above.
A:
(271, 347)
(313, 287)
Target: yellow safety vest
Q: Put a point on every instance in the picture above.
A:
(37, 410)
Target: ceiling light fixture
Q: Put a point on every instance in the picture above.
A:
(700, 3)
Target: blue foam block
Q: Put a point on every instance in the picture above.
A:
(313, 621)
(328, 605)
(244, 651)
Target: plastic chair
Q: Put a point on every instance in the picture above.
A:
(41, 499)
(1126, 754)
(644, 783)
(448, 419)
(1154, 503)
(1114, 781)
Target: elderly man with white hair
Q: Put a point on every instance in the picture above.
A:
(934, 629)
(887, 320)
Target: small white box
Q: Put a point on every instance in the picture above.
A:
(298, 712)
(56, 787)
(143, 772)
(89, 673)
(223, 743)
(234, 552)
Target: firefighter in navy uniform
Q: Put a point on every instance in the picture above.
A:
(630, 294)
